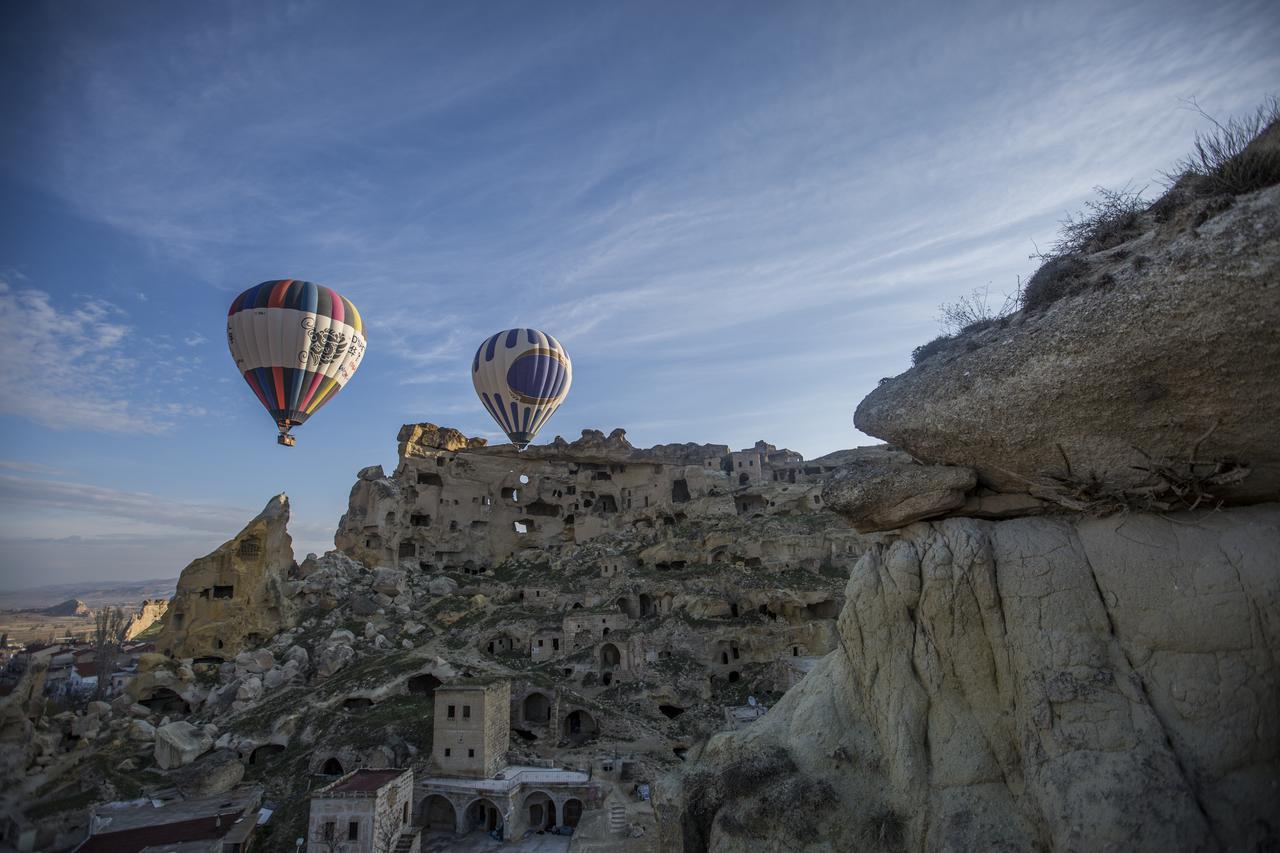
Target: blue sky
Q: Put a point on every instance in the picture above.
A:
(736, 216)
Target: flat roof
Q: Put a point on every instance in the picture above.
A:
(362, 781)
(134, 814)
(513, 775)
(136, 839)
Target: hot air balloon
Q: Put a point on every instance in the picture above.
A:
(296, 343)
(522, 376)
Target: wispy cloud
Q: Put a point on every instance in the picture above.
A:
(83, 367)
(30, 467)
(28, 493)
(195, 339)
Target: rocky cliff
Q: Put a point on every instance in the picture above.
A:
(151, 612)
(1098, 670)
(1033, 684)
(237, 596)
(1153, 385)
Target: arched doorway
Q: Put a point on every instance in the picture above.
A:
(165, 702)
(482, 814)
(332, 767)
(265, 753)
(609, 656)
(537, 708)
(424, 684)
(572, 812)
(540, 811)
(646, 605)
(438, 813)
(579, 724)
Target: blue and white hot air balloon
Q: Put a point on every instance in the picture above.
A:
(522, 376)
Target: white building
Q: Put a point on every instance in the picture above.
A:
(365, 811)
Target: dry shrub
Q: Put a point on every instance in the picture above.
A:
(1182, 484)
(1231, 159)
(934, 347)
(1114, 217)
(1056, 278)
(974, 312)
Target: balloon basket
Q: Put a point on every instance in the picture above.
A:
(286, 440)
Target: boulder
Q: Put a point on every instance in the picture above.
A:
(362, 605)
(178, 744)
(250, 689)
(333, 658)
(213, 774)
(1163, 362)
(299, 656)
(141, 730)
(389, 582)
(441, 585)
(886, 490)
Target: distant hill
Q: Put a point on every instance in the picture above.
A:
(70, 607)
(94, 593)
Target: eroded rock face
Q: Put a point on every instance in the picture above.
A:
(1038, 684)
(212, 774)
(1178, 343)
(237, 596)
(151, 612)
(455, 504)
(416, 438)
(880, 489)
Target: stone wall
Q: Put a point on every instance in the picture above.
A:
(472, 740)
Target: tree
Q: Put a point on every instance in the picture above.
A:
(109, 628)
(387, 830)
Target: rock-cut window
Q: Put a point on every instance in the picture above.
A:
(249, 549)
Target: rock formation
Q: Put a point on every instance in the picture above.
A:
(1099, 679)
(149, 613)
(1051, 684)
(237, 596)
(70, 607)
(1171, 359)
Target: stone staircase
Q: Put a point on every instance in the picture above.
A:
(618, 823)
(409, 842)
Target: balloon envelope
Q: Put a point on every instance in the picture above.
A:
(296, 343)
(522, 376)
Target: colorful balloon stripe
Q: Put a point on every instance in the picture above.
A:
(296, 343)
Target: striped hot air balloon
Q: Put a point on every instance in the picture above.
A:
(296, 343)
(522, 376)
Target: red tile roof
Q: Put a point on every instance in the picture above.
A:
(133, 840)
(364, 780)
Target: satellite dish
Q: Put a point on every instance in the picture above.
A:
(751, 700)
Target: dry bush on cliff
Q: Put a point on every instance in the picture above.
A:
(1227, 160)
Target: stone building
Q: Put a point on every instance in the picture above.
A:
(472, 787)
(453, 504)
(472, 728)
(365, 811)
